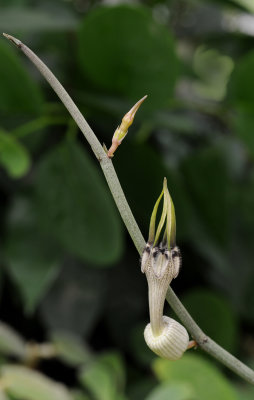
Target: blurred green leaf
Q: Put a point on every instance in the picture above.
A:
(208, 182)
(79, 395)
(248, 308)
(172, 391)
(241, 86)
(243, 126)
(32, 259)
(13, 155)
(13, 19)
(140, 388)
(128, 286)
(213, 69)
(248, 4)
(246, 207)
(114, 362)
(75, 206)
(107, 370)
(129, 61)
(246, 393)
(238, 287)
(70, 348)
(11, 343)
(199, 374)
(23, 383)
(147, 171)
(235, 158)
(14, 2)
(206, 307)
(1, 279)
(139, 348)
(18, 92)
(76, 299)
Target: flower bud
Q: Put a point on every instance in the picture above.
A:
(122, 130)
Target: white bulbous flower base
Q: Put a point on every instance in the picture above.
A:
(171, 343)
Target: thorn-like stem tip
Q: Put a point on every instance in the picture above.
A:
(17, 42)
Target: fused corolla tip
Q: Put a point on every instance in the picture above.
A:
(167, 219)
(170, 231)
(151, 235)
(161, 253)
(122, 130)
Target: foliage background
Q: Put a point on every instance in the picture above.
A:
(73, 300)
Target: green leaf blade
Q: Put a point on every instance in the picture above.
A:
(32, 259)
(197, 372)
(13, 156)
(75, 207)
(24, 383)
(130, 62)
(18, 92)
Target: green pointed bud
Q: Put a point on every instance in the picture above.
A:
(122, 130)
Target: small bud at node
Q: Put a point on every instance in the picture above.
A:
(122, 130)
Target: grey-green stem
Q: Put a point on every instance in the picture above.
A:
(204, 342)
(105, 161)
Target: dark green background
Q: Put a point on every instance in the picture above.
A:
(69, 273)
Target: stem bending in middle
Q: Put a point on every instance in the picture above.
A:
(208, 345)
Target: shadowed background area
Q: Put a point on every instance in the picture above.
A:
(73, 301)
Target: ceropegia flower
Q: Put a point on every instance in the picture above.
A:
(161, 262)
